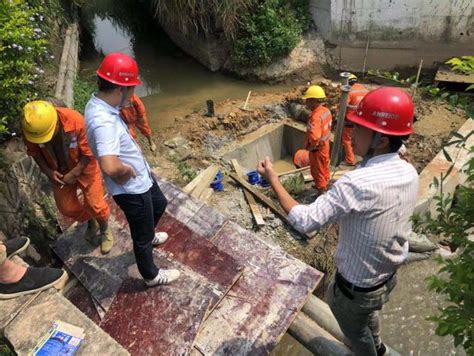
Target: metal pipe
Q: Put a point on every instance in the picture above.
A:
(336, 145)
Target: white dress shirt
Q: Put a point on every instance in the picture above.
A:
(372, 205)
(107, 134)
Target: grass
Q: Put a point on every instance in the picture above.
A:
(83, 89)
(203, 15)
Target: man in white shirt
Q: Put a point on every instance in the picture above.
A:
(372, 205)
(125, 170)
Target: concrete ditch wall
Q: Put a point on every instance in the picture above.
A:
(401, 31)
(275, 141)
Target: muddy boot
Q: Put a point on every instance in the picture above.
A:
(106, 241)
(92, 229)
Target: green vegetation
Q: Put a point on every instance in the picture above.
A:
(4, 348)
(187, 172)
(23, 54)
(269, 31)
(83, 89)
(203, 16)
(455, 221)
(258, 31)
(465, 64)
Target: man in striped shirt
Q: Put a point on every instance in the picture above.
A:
(372, 206)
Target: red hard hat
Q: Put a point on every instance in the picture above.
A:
(385, 110)
(120, 69)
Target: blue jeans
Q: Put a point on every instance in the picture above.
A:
(143, 211)
(358, 317)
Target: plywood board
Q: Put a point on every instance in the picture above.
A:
(445, 74)
(261, 306)
(160, 320)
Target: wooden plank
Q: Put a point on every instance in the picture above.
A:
(445, 74)
(206, 194)
(191, 185)
(293, 171)
(205, 182)
(254, 209)
(276, 210)
(281, 214)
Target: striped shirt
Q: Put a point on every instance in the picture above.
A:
(372, 205)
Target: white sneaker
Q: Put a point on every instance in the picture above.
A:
(160, 237)
(164, 276)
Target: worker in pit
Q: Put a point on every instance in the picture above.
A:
(134, 114)
(56, 139)
(317, 136)
(372, 205)
(356, 94)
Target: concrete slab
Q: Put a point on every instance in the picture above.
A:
(34, 321)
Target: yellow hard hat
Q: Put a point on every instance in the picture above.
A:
(39, 121)
(314, 92)
(352, 77)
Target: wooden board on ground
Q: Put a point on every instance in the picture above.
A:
(150, 321)
(264, 199)
(257, 311)
(445, 74)
(198, 185)
(293, 171)
(254, 208)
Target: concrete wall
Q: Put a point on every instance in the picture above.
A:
(406, 30)
(274, 141)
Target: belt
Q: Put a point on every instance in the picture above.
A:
(346, 287)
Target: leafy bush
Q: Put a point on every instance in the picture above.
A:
(270, 31)
(456, 279)
(465, 64)
(23, 50)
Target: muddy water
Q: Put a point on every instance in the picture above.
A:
(284, 165)
(173, 84)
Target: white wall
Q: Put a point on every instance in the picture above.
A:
(400, 22)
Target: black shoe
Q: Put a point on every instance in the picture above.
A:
(16, 245)
(382, 350)
(34, 280)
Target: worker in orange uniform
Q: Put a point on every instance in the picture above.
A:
(56, 139)
(317, 136)
(301, 158)
(356, 94)
(134, 114)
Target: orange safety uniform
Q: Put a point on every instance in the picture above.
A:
(134, 114)
(316, 141)
(301, 158)
(356, 94)
(90, 181)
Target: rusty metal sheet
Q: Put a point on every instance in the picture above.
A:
(260, 307)
(159, 320)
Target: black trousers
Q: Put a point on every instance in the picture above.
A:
(143, 211)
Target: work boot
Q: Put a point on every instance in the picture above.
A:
(16, 245)
(164, 276)
(34, 280)
(160, 237)
(92, 229)
(106, 241)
